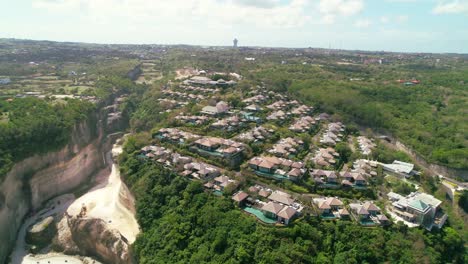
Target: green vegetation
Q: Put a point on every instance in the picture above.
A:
(183, 224)
(428, 117)
(37, 126)
(463, 201)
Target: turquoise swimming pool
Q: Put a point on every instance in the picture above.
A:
(259, 214)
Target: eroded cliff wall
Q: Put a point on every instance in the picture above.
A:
(41, 177)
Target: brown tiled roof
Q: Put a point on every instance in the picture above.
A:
(334, 202)
(287, 212)
(272, 207)
(282, 198)
(362, 211)
(255, 161)
(240, 196)
(370, 206)
(382, 217)
(274, 160)
(297, 165)
(359, 177)
(324, 205)
(264, 193)
(295, 172)
(343, 211)
(266, 164)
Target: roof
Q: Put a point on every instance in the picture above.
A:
(287, 212)
(418, 205)
(334, 202)
(399, 166)
(362, 211)
(359, 177)
(266, 164)
(273, 207)
(382, 217)
(428, 199)
(343, 211)
(263, 193)
(209, 109)
(281, 197)
(370, 206)
(324, 205)
(240, 196)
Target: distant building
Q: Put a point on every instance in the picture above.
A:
(5, 81)
(235, 41)
(400, 168)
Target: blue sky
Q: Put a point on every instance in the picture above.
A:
(391, 25)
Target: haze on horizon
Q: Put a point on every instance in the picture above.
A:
(390, 25)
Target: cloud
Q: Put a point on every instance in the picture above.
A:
(258, 3)
(205, 13)
(384, 19)
(363, 23)
(451, 7)
(402, 19)
(330, 9)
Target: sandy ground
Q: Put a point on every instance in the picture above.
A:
(51, 260)
(102, 201)
(185, 73)
(54, 207)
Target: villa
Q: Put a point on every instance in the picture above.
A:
(418, 209)
(368, 213)
(303, 124)
(278, 168)
(365, 145)
(325, 157)
(175, 135)
(400, 169)
(220, 108)
(287, 147)
(257, 134)
(331, 208)
(219, 147)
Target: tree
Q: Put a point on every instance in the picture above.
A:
(463, 201)
(345, 152)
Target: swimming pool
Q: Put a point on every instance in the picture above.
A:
(259, 214)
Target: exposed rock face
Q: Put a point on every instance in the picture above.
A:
(92, 237)
(38, 178)
(41, 234)
(63, 242)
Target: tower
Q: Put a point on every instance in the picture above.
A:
(235, 42)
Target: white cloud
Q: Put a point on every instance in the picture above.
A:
(402, 19)
(258, 3)
(330, 9)
(211, 13)
(363, 23)
(451, 7)
(384, 19)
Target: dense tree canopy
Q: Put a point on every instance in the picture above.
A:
(183, 224)
(36, 126)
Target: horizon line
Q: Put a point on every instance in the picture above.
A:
(228, 46)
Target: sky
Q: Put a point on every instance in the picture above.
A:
(387, 25)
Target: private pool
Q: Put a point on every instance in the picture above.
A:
(259, 215)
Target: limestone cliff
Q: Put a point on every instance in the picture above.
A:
(92, 237)
(38, 178)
